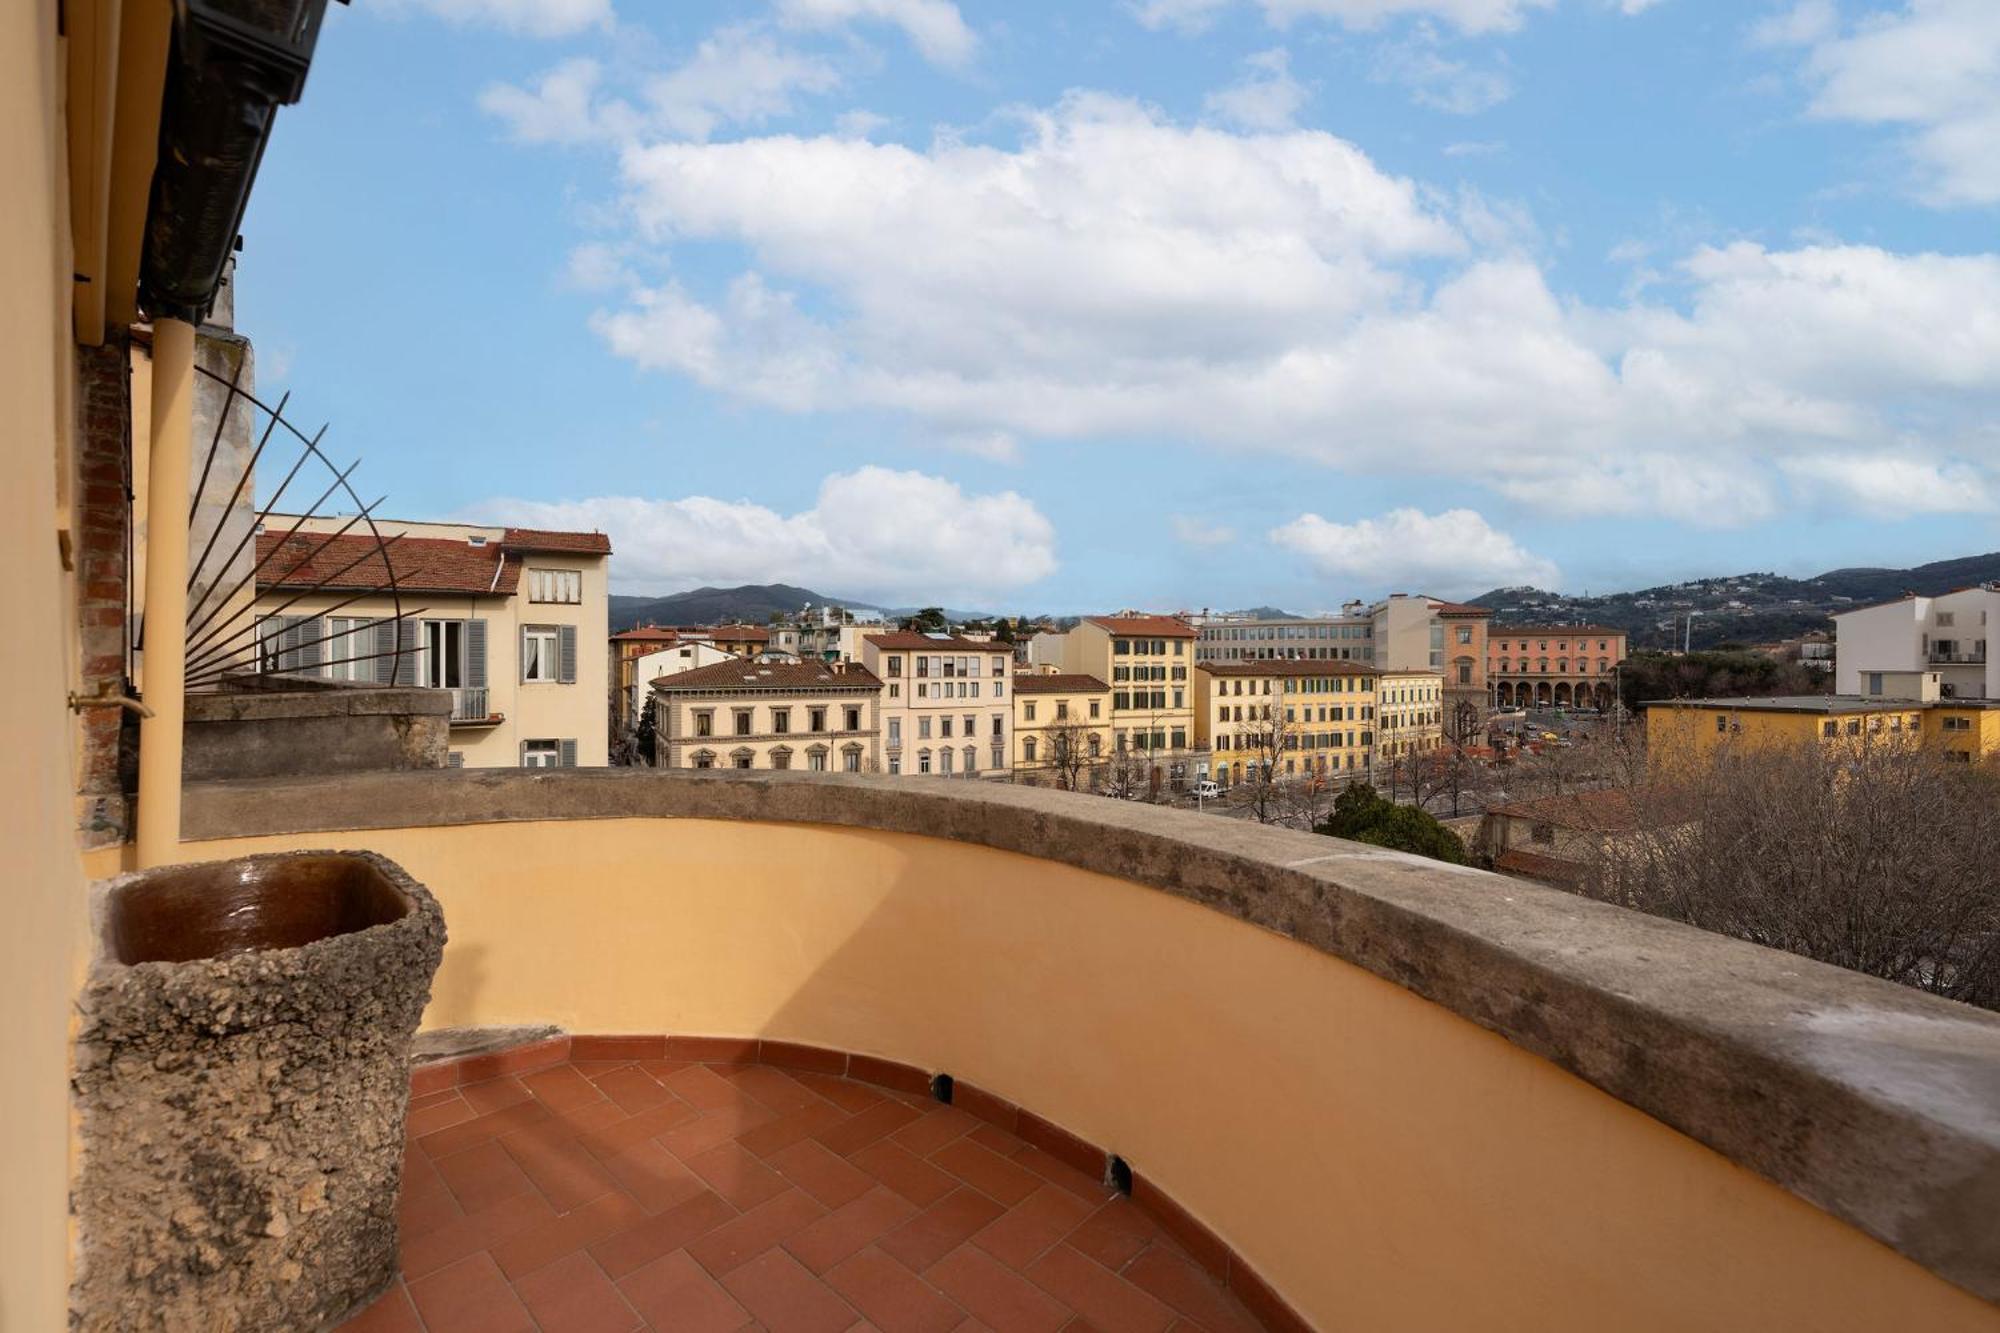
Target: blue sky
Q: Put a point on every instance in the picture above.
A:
(1171, 303)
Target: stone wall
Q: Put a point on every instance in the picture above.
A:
(286, 726)
(101, 555)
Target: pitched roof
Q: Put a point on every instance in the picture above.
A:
(1535, 865)
(771, 676)
(737, 633)
(1606, 810)
(1462, 609)
(1153, 627)
(1290, 666)
(903, 638)
(354, 563)
(1059, 684)
(543, 539)
(647, 634)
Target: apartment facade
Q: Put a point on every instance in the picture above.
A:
(817, 716)
(512, 621)
(1418, 633)
(1062, 723)
(627, 647)
(1307, 719)
(1345, 638)
(1963, 730)
(1409, 714)
(1945, 634)
(670, 660)
(947, 705)
(1554, 666)
(1147, 661)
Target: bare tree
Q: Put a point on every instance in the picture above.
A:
(1872, 856)
(1066, 749)
(1269, 739)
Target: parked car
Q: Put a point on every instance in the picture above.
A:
(1205, 791)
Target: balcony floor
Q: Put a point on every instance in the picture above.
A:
(657, 1194)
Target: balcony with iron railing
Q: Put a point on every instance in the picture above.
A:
(1976, 657)
(470, 707)
(1195, 1069)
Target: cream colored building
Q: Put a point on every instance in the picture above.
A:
(1146, 660)
(511, 620)
(947, 709)
(669, 660)
(1309, 719)
(1062, 726)
(1409, 714)
(818, 716)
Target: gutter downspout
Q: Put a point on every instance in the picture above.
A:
(165, 629)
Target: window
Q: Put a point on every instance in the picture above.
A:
(1465, 634)
(538, 654)
(1028, 749)
(924, 728)
(555, 585)
(349, 642)
(850, 760)
(816, 759)
(923, 761)
(999, 725)
(781, 758)
(854, 719)
(1945, 619)
(1093, 708)
(1028, 711)
(816, 719)
(971, 726)
(944, 761)
(704, 723)
(944, 726)
(441, 663)
(743, 759)
(1874, 682)
(895, 765)
(541, 754)
(971, 760)
(895, 665)
(895, 731)
(781, 720)
(703, 759)
(743, 717)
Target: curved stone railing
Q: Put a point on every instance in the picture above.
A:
(824, 908)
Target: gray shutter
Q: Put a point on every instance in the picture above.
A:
(385, 647)
(566, 654)
(310, 629)
(568, 758)
(406, 658)
(475, 654)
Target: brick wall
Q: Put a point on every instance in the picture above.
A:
(103, 569)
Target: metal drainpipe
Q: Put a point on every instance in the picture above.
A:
(159, 831)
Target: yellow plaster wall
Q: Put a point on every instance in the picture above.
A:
(1388, 1165)
(41, 946)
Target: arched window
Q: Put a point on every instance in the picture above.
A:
(743, 758)
(781, 757)
(971, 760)
(850, 759)
(923, 761)
(702, 759)
(1028, 749)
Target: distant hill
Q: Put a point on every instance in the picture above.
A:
(751, 604)
(1739, 608)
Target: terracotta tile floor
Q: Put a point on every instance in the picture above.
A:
(663, 1195)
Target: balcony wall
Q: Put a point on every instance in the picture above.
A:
(1410, 1096)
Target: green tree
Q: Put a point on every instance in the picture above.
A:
(1362, 814)
(930, 620)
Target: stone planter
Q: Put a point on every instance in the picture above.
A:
(242, 1073)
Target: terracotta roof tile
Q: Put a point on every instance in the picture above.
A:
(647, 634)
(1535, 865)
(1060, 683)
(764, 676)
(1155, 627)
(1462, 609)
(542, 539)
(353, 563)
(1557, 631)
(904, 639)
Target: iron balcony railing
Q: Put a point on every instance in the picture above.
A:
(1977, 658)
(469, 705)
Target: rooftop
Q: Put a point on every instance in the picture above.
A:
(739, 676)
(545, 541)
(912, 639)
(1059, 683)
(1502, 631)
(355, 563)
(1154, 627)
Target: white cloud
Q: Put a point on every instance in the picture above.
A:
(1183, 16)
(532, 18)
(1891, 486)
(1200, 532)
(1437, 81)
(1471, 16)
(935, 26)
(1268, 98)
(1475, 148)
(1806, 22)
(995, 446)
(871, 533)
(1113, 275)
(736, 76)
(1932, 68)
(1454, 552)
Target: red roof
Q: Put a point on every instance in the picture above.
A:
(541, 539)
(1143, 626)
(353, 563)
(741, 676)
(1292, 666)
(737, 633)
(647, 634)
(1059, 684)
(1462, 609)
(903, 639)
(1556, 631)
(1534, 865)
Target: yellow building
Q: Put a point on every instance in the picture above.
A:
(1966, 730)
(512, 621)
(1062, 728)
(1409, 714)
(1303, 718)
(1146, 659)
(819, 716)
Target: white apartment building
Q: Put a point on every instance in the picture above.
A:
(1344, 638)
(512, 621)
(670, 660)
(947, 705)
(1879, 649)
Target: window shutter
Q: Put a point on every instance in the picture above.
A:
(568, 754)
(310, 629)
(475, 654)
(524, 754)
(385, 645)
(406, 658)
(566, 654)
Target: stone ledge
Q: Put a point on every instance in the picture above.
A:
(1877, 1103)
